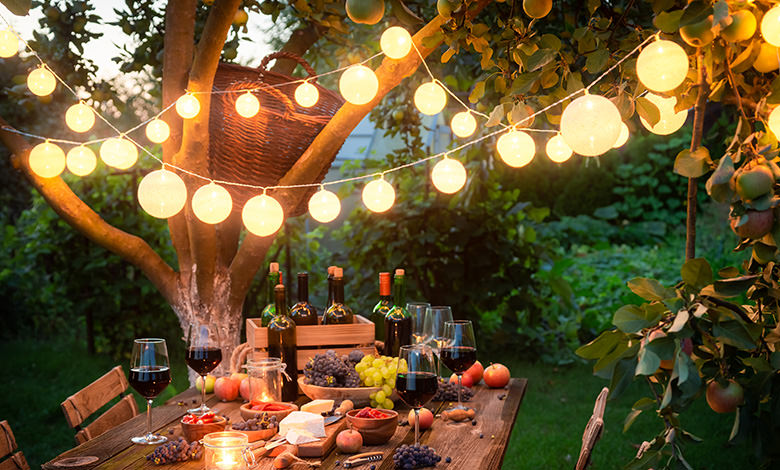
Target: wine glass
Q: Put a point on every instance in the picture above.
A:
(203, 355)
(433, 329)
(460, 350)
(150, 373)
(415, 380)
(417, 311)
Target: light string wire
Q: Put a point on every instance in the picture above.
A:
(376, 174)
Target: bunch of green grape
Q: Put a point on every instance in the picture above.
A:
(380, 372)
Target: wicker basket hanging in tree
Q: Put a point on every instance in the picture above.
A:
(261, 149)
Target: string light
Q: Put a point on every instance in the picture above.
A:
(430, 98)
(47, 160)
(463, 124)
(162, 194)
(158, 131)
(358, 84)
(670, 121)
(81, 160)
(448, 175)
(557, 149)
(516, 148)
(770, 26)
(378, 195)
(41, 81)
(590, 125)
(247, 105)
(9, 43)
(396, 42)
(262, 215)
(622, 137)
(80, 117)
(324, 206)
(212, 203)
(118, 152)
(307, 94)
(662, 66)
(773, 122)
(187, 106)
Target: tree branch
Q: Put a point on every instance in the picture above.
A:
(86, 221)
(300, 41)
(698, 130)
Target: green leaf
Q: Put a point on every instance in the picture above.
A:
(404, 14)
(668, 22)
(774, 360)
(593, 5)
(601, 346)
(447, 55)
(630, 418)
(696, 273)
(695, 12)
(648, 362)
(720, 11)
(622, 376)
(734, 286)
(495, 116)
(648, 110)
(478, 92)
(630, 319)
(597, 60)
(524, 82)
(692, 164)
(644, 403)
(17, 7)
(539, 59)
(680, 320)
(735, 333)
(718, 186)
(649, 289)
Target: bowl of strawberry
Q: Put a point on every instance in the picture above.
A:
(194, 427)
(256, 409)
(376, 426)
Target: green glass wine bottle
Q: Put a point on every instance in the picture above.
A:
(282, 343)
(398, 321)
(382, 307)
(338, 312)
(303, 313)
(274, 278)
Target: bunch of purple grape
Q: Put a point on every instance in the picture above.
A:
(178, 450)
(448, 391)
(409, 457)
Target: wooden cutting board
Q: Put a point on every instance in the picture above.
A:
(323, 446)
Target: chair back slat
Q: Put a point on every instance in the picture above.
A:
(15, 462)
(7, 440)
(593, 430)
(123, 410)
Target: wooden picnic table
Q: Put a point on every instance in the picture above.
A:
(459, 441)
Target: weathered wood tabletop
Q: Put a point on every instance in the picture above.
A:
(459, 441)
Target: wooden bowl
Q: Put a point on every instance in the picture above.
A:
(375, 431)
(259, 435)
(195, 432)
(360, 396)
(248, 413)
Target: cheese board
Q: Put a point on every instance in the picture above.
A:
(324, 445)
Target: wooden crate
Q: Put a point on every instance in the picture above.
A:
(316, 339)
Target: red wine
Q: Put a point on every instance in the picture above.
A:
(303, 313)
(150, 381)
(339, 312)
(282, 343)
(459, 358)
(203, 360)
(398, 321)
(416, 388)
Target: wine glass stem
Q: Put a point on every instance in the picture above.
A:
(416, 425)
(203, 393)
(148, 417)
(460, 378)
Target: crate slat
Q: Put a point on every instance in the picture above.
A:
(305, 354)
(360, 332)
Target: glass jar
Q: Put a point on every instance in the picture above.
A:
(265, 379)
(225, 451)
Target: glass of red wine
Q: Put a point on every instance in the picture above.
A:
(459, 351)
(203, 355)
(415, 379)
(150, 373)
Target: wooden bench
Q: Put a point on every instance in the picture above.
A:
(79, 406)
(16, 461)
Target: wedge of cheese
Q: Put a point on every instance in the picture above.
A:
(303, 422)
(318, 406)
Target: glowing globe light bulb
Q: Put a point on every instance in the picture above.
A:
(247, 105)
(324, 206)
(770, 26)
(9, 43)
(187, 106)
(516, 148)
(81, 160)
(463, 124)
(662, 66)
(378, 196)
(557, 150)
(396, 42)
(774, 121)
(47, 160)
(41, 81)
(80, 117)
(307, 95)
(158, 131)
(262, 215)
(430, 98)
(670, 121)
(119, 152)
(358, 84)
(590, 125)
(448, 175)
(212, 203)
(162, 194)
(623, 137)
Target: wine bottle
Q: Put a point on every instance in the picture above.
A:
(282, 344)
(398, 321)
(303, 313)
(339, 312)
(331, 270)
(383, 306)
(273, 280)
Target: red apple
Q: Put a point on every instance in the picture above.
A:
(475, 372)
(466, 380)
(426, 418)
(349, 441)
(226, 389)
(496, 376)
(724, 399)
(245, 389)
